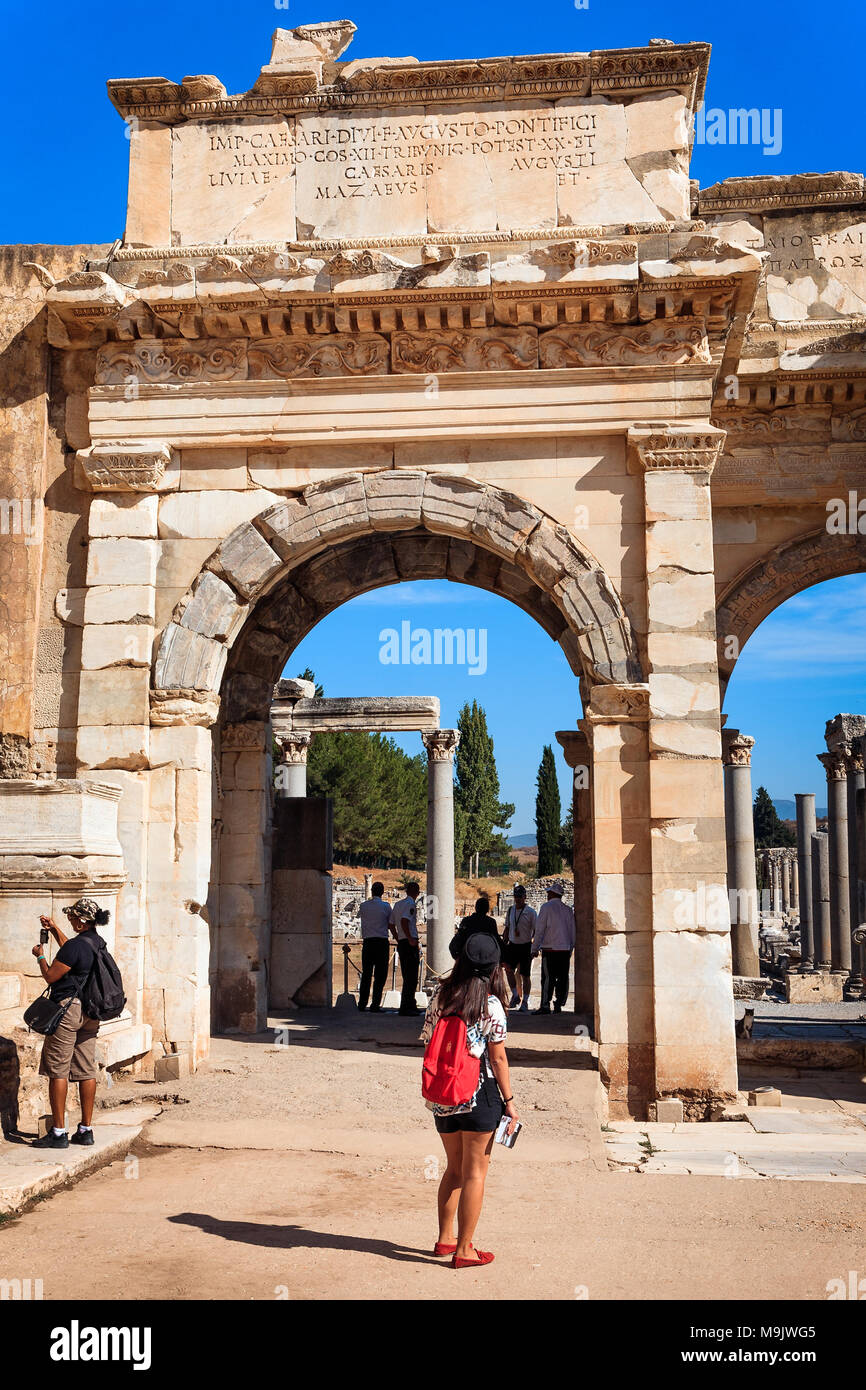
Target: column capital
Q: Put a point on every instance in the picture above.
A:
(737, 748)
(293, 746)
(683, 448)
(612, 704)
(855, 758)
(441, 744)
(575, 746)
(835, 765)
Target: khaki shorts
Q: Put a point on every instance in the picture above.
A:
(70, 1053)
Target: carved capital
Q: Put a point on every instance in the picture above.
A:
(737, 748)
(441, 744)
(127, 468)
(293, 747)
(616, 704)
(175, 706)
(835, 765)
(680, 447)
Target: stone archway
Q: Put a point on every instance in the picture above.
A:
(275, 577)
(304, 556)
(788, 570)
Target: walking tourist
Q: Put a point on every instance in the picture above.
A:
(404, 920)
(69, 1054)
(375, 917)
(479, 920)
(517, 948)
(466, 1020)
(554, 938)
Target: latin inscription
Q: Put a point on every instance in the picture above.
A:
(386, 159)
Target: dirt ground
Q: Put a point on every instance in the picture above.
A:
(302, 1164)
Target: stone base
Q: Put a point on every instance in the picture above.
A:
(818, 988)
(750, 986)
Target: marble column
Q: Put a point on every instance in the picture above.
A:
(856, 867)
(785, 868)
(821, 900)
(576, 748)
(440, 745)
(795, 886)
(742, 880)
(776, 880)
(836, 767)
(805, 831)
(291, 777)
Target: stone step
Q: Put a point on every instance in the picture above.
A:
(26, 1172)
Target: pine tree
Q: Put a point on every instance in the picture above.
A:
(548, 816)
(770, 831)
(478, 810)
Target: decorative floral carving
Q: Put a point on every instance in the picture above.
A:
(441, 744)
(487, 350)
(171, 359)
(593, 344)
(683, 448)
(364, 354)
(122, 469)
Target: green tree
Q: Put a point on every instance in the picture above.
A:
(566, 838)
(548, 816)
(478, 810)
(770, 831)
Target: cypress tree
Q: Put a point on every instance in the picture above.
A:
(548, 816)
(770, 831)
(478, 809)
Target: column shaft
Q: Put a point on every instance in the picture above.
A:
(821, 900)
(440, 747)
(742, 879)
(805, 831)
(840, 902)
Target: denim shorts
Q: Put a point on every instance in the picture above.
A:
(482, 1118)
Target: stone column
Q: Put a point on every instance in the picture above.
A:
(575, 745)
(368, 885)
(836, 767)
(440, 745)
(795, 886)
(742, 881)
(856, 797)
(291, 777)
(821, 901)
(694, 1055)
(785, 866)
(776, 880)
(805, 831)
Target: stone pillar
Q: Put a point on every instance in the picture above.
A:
(836, 766)
(821, 901)
(776, 880)
(856, 797)
(795, 886)
(785, 866)
(291, 777)
(742, 880)
(694, 1045)
(805, 831)
(440, 745)
(575, 745)
(368, 885)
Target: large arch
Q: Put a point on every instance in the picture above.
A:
(790, 568)
(273, 578)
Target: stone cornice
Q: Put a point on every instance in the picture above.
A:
(623, 72)
(769, 192)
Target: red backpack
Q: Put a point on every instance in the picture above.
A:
(450, 1072)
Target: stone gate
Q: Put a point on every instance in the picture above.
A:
(379, 320)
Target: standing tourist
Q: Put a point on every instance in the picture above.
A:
(469, 1008)
(479, 920)
(404, 920)
(517, 948)
(69, 1054)
(375, 926)
(554, 938)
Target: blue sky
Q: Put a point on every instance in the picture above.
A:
(66, 180)
(804, 664)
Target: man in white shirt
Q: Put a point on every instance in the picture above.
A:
(554, 938)
(405, 923)
(517, 948)
(375, 918)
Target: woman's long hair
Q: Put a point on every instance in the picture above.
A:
(465, 993)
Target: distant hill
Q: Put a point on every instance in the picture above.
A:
(787, 810)
(522, 841)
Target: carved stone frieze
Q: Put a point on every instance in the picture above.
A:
(493, 349)
(170, 359)
(365, 354)
(594, 344)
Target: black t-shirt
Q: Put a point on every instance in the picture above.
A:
(468, 926)
(77, 953)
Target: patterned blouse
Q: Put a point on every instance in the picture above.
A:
(494, 1028)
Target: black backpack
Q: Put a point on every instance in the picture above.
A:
(102, 996)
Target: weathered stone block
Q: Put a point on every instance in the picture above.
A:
(450, 504)
(122, 561)
(339, 505)
(116, 644)
(246, 560)
(212, 609)
(125, 515)
(394, 498)
(115, 746)
(113, 696)
(187, 661)
(184, 746)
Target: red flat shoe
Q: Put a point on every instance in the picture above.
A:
(440, 1249)
(485, 1257)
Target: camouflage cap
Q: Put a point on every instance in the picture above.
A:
(85, 909)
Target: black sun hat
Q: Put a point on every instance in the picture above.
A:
(482, 952)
